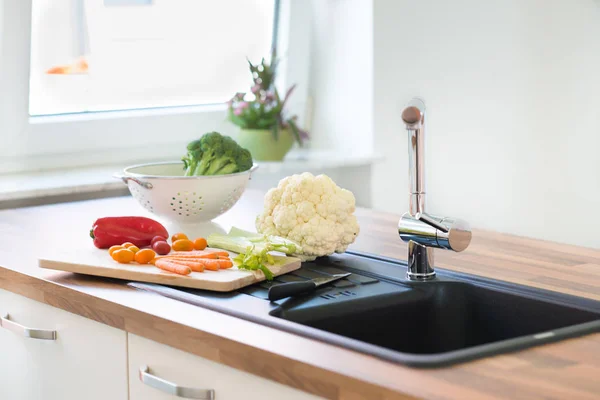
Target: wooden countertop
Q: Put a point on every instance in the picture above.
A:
(565, 370)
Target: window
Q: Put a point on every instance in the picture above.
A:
(102, 55)
(133, 80)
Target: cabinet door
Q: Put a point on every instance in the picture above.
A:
(85, 360)
(184, 375)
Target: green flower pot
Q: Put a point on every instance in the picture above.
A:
(263, 146)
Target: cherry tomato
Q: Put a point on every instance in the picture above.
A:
(127, 245)
(200, 244)
(183, 245)
(178, 236)
(144, 256)
(123, 256)
(157, 239)
(161, 247)
(114, 248)
(135, 249)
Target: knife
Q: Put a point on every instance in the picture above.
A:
(283, 290)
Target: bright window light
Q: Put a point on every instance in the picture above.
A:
(104, 55)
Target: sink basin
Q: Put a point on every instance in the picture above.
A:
(451, 319)
(454, 318)
(447, 320)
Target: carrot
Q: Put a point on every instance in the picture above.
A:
(172, 266)
(199, 261)
(193, 264)
(225, 263)
(207, 263)
(212, 265)
(220, 253)
(201, 253)
(182, 258)
(215, 265)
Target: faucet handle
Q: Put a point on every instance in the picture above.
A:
(431, 231)
(431, 222)
(457, 237)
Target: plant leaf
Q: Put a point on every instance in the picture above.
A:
(287, 95)
(294, 128)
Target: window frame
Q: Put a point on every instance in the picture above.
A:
(119, 137)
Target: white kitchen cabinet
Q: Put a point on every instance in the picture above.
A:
(173, 370)
(86, 360)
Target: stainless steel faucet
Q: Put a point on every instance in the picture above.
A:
(423, 231)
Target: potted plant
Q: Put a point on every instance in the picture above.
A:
(265, 128)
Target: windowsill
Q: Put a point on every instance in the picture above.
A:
(127, 113)
(98, 181)
(20, 189)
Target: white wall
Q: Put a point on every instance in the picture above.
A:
(513, 95)
(341, 87)
(341, 73)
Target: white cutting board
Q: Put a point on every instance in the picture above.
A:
(99, 263)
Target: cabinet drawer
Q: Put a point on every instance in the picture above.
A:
(169, 367)
(86, 359)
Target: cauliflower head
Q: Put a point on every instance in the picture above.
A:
(313, 211)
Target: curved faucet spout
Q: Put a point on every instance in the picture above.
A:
(414, 118)
(423, 231)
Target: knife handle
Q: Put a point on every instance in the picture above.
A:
(283, 290)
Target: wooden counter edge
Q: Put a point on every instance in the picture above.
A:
(318, 381)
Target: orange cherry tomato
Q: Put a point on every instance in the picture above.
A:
(114, 248)
(178, 236)
(127, 245)
(144, 256)
(135, 249)
(183, 245)
(123, 256)
(200, 244)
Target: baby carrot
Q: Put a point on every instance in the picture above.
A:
(215, 265)
(194, 265)
(173, 266)
(182, 258)
(220, 253)
(191, 257)
(200, 253)
(212, 265)
(225, 263)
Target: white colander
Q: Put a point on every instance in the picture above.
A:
(162, 189)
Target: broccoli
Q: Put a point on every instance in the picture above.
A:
(215, 154)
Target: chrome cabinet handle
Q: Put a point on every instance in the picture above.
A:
(42, 334)
(171, 388)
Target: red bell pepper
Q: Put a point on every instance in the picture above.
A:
(110, 231)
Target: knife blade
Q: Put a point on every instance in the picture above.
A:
(283, 290)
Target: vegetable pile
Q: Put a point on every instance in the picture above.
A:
(305, 216)
(215, 154)
(133, 240)
(311, 211)
(181, 257)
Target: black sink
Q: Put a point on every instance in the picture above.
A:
(454, 318)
